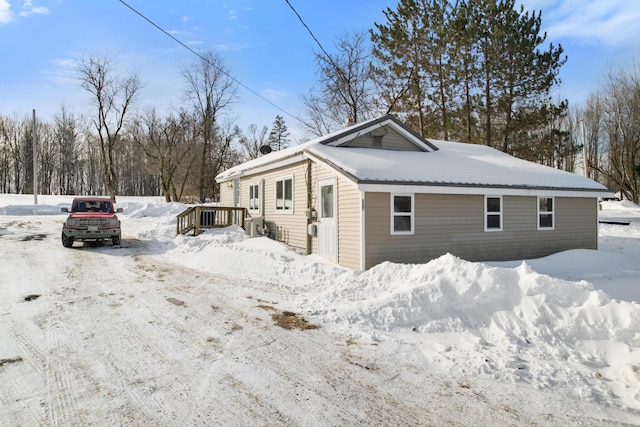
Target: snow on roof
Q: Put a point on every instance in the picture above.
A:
(452, 164)
(289, 152)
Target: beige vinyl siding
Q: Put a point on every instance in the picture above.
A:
(289, 228)
(348, 215)
(391, 141)
(455, 224)
(226, 193)
(348, 224)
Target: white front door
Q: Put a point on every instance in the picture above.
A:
(328, 219)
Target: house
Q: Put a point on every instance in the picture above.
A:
(376, 191)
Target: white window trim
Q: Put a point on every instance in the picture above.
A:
(501, 213)
(257, 207)
(552, 213)
(275, 193)
(394, 214)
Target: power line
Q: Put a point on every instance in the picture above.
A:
(339, 70)
(207, 61)
(310, 32)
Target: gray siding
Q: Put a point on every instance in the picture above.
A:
(391, 141)
(455, 224)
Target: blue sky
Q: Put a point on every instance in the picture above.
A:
(261, 41)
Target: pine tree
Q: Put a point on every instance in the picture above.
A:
(474, 70)
(279, 135)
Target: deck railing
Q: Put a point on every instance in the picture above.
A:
(198, 217)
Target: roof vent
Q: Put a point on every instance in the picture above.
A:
(376, 136)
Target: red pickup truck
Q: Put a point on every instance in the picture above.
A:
(91, 219)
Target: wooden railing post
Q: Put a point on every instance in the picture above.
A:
(196, 220)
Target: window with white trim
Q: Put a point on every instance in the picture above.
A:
(545, 213)
(284, 195)
(254, 197)
(493, 213)
(402, 213)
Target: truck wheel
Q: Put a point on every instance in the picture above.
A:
(115, 240)
(67, 241)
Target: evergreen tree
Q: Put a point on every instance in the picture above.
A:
(474, 70)
(398, 46)
(279, 135)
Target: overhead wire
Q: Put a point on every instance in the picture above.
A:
(339, 70)
(207, 61)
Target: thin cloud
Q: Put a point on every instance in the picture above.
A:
(5, 12)
(274, 95)
(227, 47)
(29, 9)
(604, 22)
(64, 71)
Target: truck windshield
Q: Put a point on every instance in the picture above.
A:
(92, 206)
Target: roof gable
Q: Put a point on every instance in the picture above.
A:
(341, 137)
(364, 134)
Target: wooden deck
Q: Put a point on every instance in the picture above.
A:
(197, 218)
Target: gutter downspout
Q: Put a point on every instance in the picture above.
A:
(308, 211)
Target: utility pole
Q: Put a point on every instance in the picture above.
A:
(35, 159)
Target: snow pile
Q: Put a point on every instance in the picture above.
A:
(550, 323)
(507, 324)
(472, 319)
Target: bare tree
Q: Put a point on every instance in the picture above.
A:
(6, 160)
(252, 140)
(12, 134)
(166, 142)
(622, 127)
(66, 133)
(210, 90)
(47, 158)
(345, 89)
(592, 122)
(112, 97)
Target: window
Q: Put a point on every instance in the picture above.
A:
(401, 214)
(545, 213)
(326, 201)
(254, 197)
(284, 195)
(493, 213)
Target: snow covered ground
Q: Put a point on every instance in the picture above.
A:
(177, 330)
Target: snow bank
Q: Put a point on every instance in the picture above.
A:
(537, 323)
(510, 324)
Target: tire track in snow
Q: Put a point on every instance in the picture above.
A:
(138, 366)
(118, 350)
(225, 320)
(62, 388)
(16, 378)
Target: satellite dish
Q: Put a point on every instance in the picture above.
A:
(265, 149)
